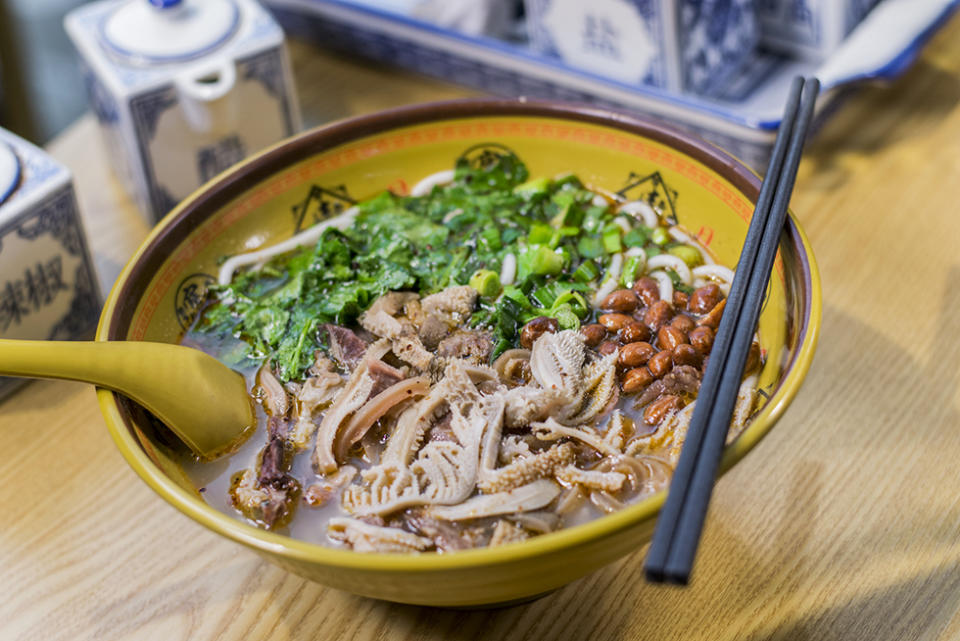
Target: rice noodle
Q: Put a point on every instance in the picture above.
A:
(668, 261)
(426, 185)
(643, 210)
(569, 500)
(307, 237)
(664, 283)
(508, 271)
(540, 522)
(623, 224)
(605, 502)
(450, 215)
(681, 236)
(616, 266)
(605, 289)
(705, 273)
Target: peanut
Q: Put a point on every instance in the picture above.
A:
(669, 337)
(658, 314)
(658, 409)
(647, 289)
(622, 300)
(702, 339)
(686, 355)
(537, 328)
(614, 322)
(634, 331)
(635, 354)
(712, 319)
(704, 299)
(608, 347)
(636, 379)
(660, 364)
(684, 323)
(593, 334)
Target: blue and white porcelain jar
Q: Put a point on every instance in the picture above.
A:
(183, 89)
(678, 45)
(48, 287)
(809, 29)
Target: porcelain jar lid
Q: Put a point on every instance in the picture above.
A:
(9, 172)
(168, 31)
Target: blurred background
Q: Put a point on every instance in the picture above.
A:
(40, 89)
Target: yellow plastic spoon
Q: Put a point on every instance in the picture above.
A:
(200, 399)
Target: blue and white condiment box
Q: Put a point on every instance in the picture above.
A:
(809, 29)
(48, 288)
(677, 45)
(183, 89)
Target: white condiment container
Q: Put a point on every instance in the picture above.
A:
(183, 89)
(48, 287)
(678, 45)
(809, 29)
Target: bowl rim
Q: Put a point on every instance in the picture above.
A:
(210, 197)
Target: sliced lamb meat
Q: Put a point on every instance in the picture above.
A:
(473, 345)
(278, 428)
(383, 376)
(345, 347)
(432, 331)
(270, 505)
(274, 462)
(269, 497)
(682, 379)
(445, 536)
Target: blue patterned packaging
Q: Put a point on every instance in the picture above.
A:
(48, 287)
(688, 45)
(182, 89)
(809, 29)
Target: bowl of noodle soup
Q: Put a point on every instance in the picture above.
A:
(634, 219)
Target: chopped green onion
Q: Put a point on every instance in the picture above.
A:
(490, 236)
(486, 282)
(586, 272)
(690, 255)
(516, 294)
(636, 237)
(590, 247)
(540, 261)
(660, 236)
(611, 239)
(631, 270)
(566, 317)
(540, 234)
(533, 187)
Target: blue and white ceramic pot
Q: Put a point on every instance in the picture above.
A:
(183, 89)
(48, 288)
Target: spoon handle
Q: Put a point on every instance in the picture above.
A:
(178, 384)
(120, 366)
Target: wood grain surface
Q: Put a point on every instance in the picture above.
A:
(844, 523)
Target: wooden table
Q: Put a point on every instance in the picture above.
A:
(844, 523)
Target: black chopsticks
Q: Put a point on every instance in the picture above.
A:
(677, 534)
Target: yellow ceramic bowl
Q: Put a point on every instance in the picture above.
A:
(288, 187)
